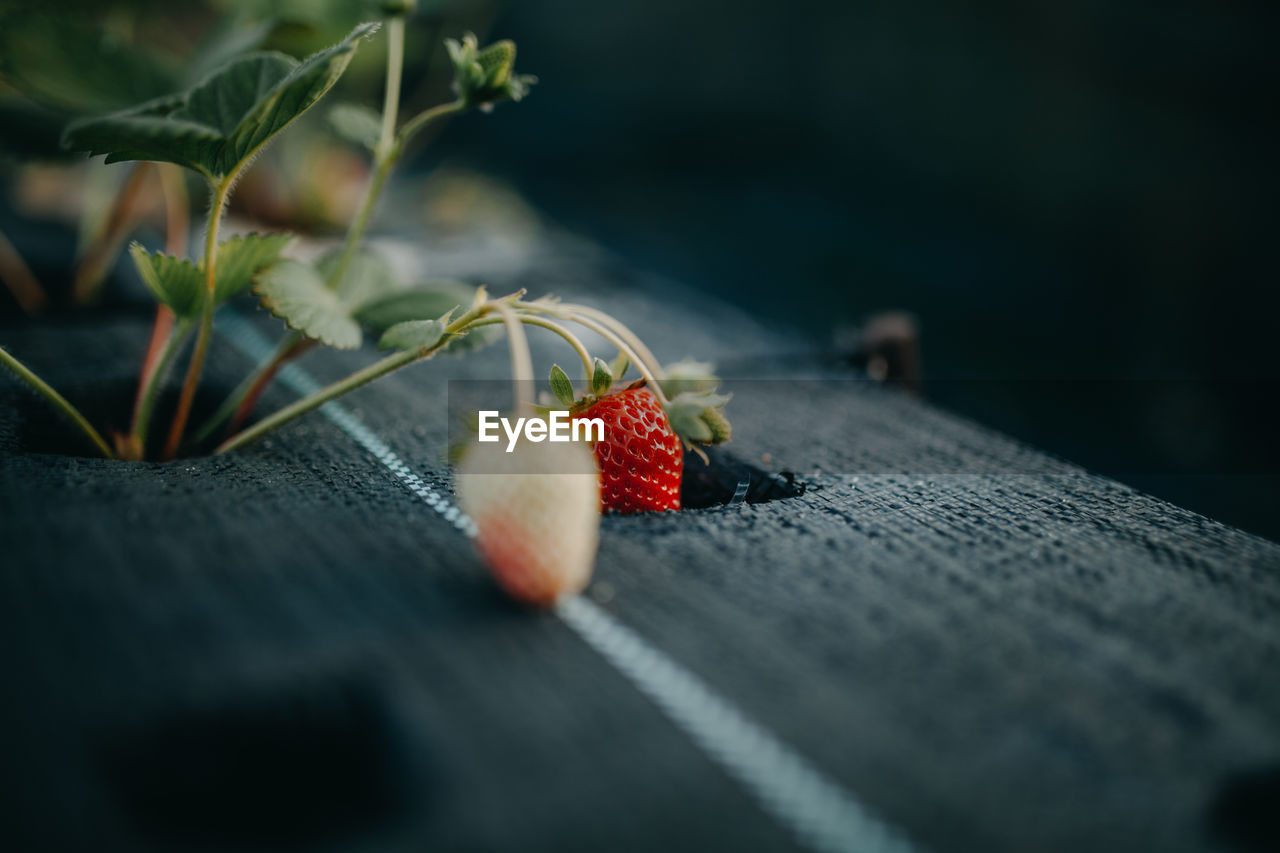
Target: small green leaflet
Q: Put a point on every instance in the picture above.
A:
(333, 312)
(228, 37)
(356, 124)
(414, 334)
(368, 277)
(179, 283)
(431, 299)
(219, 124)
(31, 131)
(366, 295)
(176, 282)
(240, 259)
(297, 294)
(77, 66)
(561, 386)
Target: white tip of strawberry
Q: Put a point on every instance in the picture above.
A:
(537, 510)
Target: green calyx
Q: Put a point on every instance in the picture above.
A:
(483, 77)
(601, 378)
(697, 417)
(561, 386)
(694, 409)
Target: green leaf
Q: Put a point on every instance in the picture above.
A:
(430, 299)
(228, 37)
(601, 378)
(218, 125)
(176, 282)
(307, 16)
(561, 386)
(241, 258)
(297, 294)
(180, 284)
(77, 65)
(368, 277)
(356, 124)
(414, 334)
(31, 131)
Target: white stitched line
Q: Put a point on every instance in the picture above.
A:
(822, 816)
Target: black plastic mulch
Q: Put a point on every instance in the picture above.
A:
(991, 649)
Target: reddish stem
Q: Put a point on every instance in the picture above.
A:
(177, 222)
(160, 332)
(119, 221)
(15, 273)
(250, 401)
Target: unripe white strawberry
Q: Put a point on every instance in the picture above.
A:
(537, 510)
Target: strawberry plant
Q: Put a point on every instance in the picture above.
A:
(56, 68)
(214, 128)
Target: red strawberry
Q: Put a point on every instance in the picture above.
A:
(640, 459)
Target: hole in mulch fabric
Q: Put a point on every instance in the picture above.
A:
(108, 406)
(728, 480)
(271, 772)
(1244, 812)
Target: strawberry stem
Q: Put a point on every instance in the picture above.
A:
(387, 152)
(625, 333)
(240, 403)
(356, 380)
(95, 262)
(164, 343)
(542, 322)
(650, 376)
(155, 375)
(521, 360)
(17, 276)
(196, 366)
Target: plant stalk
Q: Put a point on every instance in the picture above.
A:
(521, 360)
(391, 96)
(196, 366)
(588, 366)
(424, 118)
(250, 402)
(161, 336)
(162, 347)
(385, 153)
(623, 332)
(155, 379)
(177, 208)
(17, 276)
(59, 402)
(352, 382)
(614, 338)
(92, 268)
